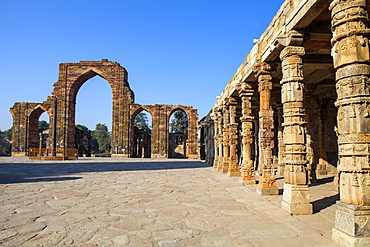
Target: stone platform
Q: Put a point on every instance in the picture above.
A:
(144, 202)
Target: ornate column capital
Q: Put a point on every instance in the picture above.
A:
(245, 89)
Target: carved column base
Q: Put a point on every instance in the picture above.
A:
(296, 199)
(225, 167)
(247, 181)
(233, 173)
(281, 168)
(233, 170)
(352, 225)
(215, 163)
(19, 154)
(321, 169)
(121, 156)
(267, 191)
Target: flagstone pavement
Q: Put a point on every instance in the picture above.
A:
(149, 202)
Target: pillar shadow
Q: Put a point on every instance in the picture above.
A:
(323, 181)
(325, 202)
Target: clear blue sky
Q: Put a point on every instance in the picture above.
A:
(175, 51)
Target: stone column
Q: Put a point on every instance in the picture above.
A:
(233, 169)
(296, 197)
(267, 182)
(225, 139)
(281, 149)
(247, 168)
(220, 140)
(351, 61)
(215, 139)
(321, 167)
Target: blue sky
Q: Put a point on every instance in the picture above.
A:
(175, 51)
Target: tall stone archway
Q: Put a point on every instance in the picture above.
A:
(71, 77)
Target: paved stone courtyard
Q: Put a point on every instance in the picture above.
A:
(144, 202)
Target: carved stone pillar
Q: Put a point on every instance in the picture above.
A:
(215, 139)
(281, 164)
(267, 182)
(247, 168)
(351, 55)
(321, 167)
(220, 141)
(296, 197)
(226, 150)
(233, 169)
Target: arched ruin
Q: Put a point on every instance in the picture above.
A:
(61, 108)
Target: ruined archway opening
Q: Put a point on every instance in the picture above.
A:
(142, 130)
(178, 134)
(93, 117)
(38, 129)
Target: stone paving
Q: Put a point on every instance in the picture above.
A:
(144, 202)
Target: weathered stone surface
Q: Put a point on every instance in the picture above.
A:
(219, 212)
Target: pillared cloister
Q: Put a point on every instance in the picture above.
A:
(298, 107)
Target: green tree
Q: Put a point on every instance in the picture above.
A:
(179, 122)
(7, 134)
(43, 125)
(5, 142)
(142, 121)
(103, 137)
(82, 132)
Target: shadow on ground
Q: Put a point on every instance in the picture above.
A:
(325, 202)
(60, 171)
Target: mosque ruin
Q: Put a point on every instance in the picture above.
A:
(299, 105)
(61, 105)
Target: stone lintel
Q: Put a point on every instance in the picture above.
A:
(296, 199)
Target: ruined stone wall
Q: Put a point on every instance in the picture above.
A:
(160, 128)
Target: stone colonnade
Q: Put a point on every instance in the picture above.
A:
(61, 107)
(299, 107)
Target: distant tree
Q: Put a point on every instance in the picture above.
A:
(179, 123)
(142, 121)
(5, 142)
(7, 134)
(43, 125)
(83, 132)
(103, 137)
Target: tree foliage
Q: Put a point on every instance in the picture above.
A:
(43, 125)
(142, 121)
(179, 122)
(7, 134)
(103, 138)
(5, 142)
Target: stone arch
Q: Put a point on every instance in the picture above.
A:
(177, 141)
(71, 77)
(192, 114)
(140, 141)
(33, 119)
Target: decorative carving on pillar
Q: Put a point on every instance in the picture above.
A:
(220, 138)
(215, 138)
(350, 53)
(267, 183)
(296, 198)
(233, 169)
(247, 169)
